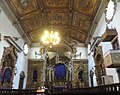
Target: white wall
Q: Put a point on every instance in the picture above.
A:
(106, 46)
(116, 21)
(84, 52)
(32, 53)
(7, 29)
(91, 65)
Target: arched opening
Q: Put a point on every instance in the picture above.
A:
(21, 81)
(35, 76)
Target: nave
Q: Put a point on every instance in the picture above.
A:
(59, 46)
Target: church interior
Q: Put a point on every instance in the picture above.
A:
(58, 46)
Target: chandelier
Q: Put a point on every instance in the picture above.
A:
(50, 37)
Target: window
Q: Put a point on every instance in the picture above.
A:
(110, 11)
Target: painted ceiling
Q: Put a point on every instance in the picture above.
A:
(71, 18)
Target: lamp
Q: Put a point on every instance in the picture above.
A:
(50, 37)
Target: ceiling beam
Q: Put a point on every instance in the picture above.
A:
(70, 12)
(77, 30)
(43, 12)
(74, 38)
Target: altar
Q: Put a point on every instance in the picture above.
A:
(59, 88)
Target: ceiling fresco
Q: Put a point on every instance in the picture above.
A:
(71, 18)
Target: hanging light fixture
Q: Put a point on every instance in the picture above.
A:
(50, 37)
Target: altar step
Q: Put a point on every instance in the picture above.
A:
(58, 89)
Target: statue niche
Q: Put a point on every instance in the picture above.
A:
(8, 62)
(35, 76)
(60, 71)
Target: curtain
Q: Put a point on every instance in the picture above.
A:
(60, 71)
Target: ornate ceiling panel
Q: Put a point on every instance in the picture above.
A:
(32, 21)
(35, 37)
(57, 18)
(87, 7)
(81, 22)
(55, 3)
(79, 36)
(22, 7)
(72, 18)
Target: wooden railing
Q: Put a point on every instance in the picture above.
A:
(102, 88)
(112, 88)
(21, 92)
(109, 87)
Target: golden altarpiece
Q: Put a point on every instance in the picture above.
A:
(35, 70)
(45, 71)
(99, 64)
(80, 64)
(7, 69)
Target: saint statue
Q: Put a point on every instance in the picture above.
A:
(81, 77)
(91, 76)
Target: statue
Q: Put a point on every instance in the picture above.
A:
(81, 77)
(35, 76)
(91, 76)
(47, 58)
(74, 52)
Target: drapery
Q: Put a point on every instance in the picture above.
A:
(7, 75)
(60, 71)
(35, 76)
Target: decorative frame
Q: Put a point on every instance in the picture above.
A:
(12, 42)
(114, 11)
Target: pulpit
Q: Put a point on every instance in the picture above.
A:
(108, 79)
(109, 35)
(112, 59)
